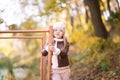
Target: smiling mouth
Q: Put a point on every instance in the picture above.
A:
(57, 34)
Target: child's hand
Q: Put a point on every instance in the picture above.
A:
(51, 48)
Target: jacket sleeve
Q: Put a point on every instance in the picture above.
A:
(65, 50)
(45, 50)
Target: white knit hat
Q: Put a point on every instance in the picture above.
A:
(60, 25)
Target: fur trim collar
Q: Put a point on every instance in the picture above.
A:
(58, 40)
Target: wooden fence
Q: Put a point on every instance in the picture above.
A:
(45, 69)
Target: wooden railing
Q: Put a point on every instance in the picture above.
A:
(45, 75)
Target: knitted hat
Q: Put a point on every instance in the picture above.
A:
(60, 25)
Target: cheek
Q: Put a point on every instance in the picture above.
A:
(61, 34)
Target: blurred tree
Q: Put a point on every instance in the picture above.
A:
(13, 27)
(108, 5)
(117, 1)
(99, 27)
(1, 20)
(29, 24)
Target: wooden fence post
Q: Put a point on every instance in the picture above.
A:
(43, 60)
(50, 52)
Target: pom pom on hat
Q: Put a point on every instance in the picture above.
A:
(60, 25)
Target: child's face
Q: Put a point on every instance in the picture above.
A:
(58, 33)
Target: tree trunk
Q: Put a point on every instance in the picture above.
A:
(118, 4)
(108, 5)
(98, 25)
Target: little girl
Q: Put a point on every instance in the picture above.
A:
(60, 63)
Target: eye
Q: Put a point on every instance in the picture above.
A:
(59, 30)
(55, 29)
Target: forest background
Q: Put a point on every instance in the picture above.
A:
(92, 30)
